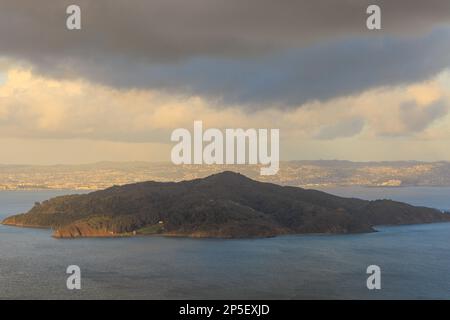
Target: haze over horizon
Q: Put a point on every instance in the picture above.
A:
(115, 90)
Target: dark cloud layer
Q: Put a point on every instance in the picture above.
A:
(286, 79)
(177, 29)
(243, 51)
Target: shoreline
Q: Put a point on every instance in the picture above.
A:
(187, 236)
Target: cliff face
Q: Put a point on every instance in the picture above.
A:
(226, 205)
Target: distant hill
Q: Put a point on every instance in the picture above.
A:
(306, 173)
(227, 205)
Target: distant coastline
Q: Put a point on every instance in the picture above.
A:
(311, 174)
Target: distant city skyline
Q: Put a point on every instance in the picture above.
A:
(310, 174)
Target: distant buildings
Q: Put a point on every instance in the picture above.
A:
(308, 174)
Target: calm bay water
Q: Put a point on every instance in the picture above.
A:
(415, 260)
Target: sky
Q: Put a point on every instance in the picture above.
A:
(137, 70)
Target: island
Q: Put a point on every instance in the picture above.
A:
(223, 205)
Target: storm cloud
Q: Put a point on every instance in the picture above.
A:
(287, 79)
(251, 53)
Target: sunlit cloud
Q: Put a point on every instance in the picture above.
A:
(36, 108)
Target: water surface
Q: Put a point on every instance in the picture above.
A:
(415, 263)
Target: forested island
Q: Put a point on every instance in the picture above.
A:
(223, 205)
